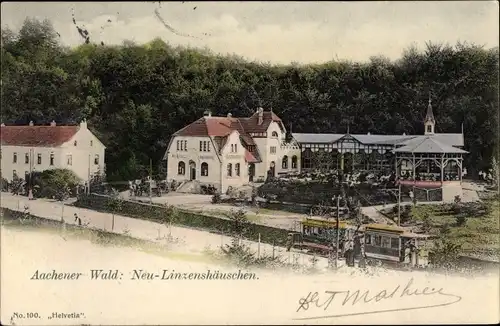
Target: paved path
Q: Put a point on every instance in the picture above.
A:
(186, 239)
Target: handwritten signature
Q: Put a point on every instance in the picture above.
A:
(313, 300)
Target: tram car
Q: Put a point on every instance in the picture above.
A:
(391, 245)
(317, 236)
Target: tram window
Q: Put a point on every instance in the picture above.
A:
(378, 240)
(368, 239)
(395, 243)
(386, 242)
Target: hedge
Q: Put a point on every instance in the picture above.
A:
(183, 217)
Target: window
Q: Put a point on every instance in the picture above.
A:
(232, 148)
(235, 148)
(294, 162)
(96, 159)
(237, 169)
(201, 145)
(178, 148)
(185, 145)
(378, 240)
(395, 243)
(204, 169)
(251, 148)
(14, 158)
(386, 242)
(51, 158)
(229, 170)
(26, 158)
(75, 143)
(69, 159)
(208, 146)
(284, 162)
(39, 158)
(204, 146)
(274, 134)
(14, 174)
(91, 143)
(429, 128)
(368, 239)
(181, 168)
(273, 149)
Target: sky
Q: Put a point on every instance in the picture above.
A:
(275, 32)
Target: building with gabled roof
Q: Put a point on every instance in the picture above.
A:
(229, 151)
(26, 149)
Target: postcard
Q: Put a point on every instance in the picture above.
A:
(213, 163)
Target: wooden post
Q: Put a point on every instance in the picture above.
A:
(442, 169)
(338, 233)
(258, 248)
(399, 203)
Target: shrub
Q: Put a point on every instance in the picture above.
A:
(444, 254)
(17, 186)
(461, 219)
(57, 183)
(4, 184)
(216, 198)
(427, 225)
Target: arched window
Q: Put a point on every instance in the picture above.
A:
(284, 162)
(181, 168)
(204, 169)
(237, 169)
(229, 170)
(274, 134)
(294, 162)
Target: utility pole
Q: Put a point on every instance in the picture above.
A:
(399, 203)
(338, 232)
(150, 180)
(397, 193)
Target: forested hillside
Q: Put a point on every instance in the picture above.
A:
(136, 96)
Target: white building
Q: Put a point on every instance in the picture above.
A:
(31, 148)
(227, 151)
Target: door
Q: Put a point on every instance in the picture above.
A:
(251, 171)
(192, 168)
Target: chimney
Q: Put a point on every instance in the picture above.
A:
(207, 113)
(229, 115)
(368, 133)
(260, 112)
(53, 123)
(31, 123)
(83, 124)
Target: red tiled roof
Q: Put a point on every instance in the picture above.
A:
(250, 158)
(43, 136)
(221, 127)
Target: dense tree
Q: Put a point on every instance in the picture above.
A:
(136, 96)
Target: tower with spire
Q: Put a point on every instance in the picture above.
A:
(429, 121)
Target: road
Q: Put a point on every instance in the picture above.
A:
(185, 239)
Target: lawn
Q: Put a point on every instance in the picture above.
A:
(479, 235)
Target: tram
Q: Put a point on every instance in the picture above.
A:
(317, 236)
(391, 245)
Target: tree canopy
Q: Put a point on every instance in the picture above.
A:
(136, 96)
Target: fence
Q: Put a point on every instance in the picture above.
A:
(181, 217)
